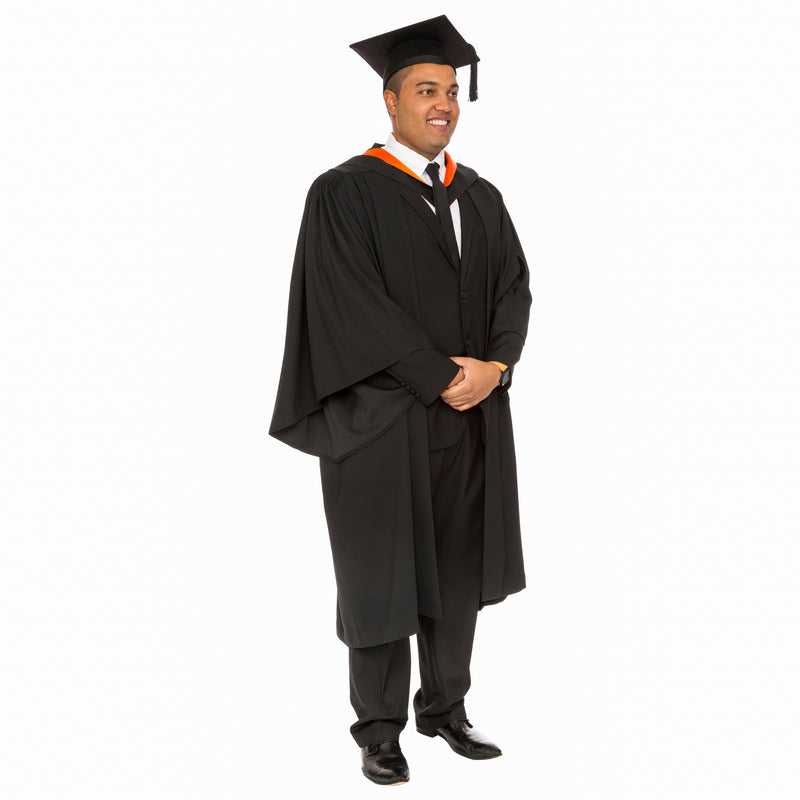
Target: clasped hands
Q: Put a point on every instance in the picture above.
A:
(474, 382)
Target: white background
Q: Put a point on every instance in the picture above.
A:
(167, 595)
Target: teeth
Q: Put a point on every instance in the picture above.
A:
(439, 122)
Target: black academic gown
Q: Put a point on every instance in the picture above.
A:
(355, 318)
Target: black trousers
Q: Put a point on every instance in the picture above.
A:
(380, 676)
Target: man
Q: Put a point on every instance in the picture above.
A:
(408, 309)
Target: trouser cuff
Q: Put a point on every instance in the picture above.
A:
(431, 722)
(376, 732)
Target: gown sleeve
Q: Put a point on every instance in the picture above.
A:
(512, 298)
(343, 330)
(425, 373)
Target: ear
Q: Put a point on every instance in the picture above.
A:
(390, 99)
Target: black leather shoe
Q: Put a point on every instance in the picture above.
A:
(465, 740)
(384, 762)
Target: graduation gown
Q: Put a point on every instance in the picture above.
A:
(356, 322)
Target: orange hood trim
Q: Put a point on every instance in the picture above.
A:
(380, 152)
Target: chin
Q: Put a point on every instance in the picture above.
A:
(438, 142)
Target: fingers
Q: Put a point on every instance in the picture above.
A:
(465, 395)
(462, 392)
(452, 396)
(461, 406)
(480, 378)
(459, 394)
(461, 401)
(459, 378)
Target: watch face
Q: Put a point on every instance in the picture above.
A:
(504, 378)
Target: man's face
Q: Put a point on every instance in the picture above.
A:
(425, 111)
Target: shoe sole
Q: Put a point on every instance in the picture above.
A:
(381, 783)
(458, 752)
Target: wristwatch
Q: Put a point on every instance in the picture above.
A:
(505, 377)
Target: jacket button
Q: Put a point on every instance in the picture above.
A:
(468, 342)
(463, 294)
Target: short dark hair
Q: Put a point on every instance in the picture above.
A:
(394, 83)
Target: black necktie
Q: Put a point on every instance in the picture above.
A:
(442, 205)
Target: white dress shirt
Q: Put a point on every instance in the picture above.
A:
(417, 163)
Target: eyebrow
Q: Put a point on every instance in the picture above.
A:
(436, 83)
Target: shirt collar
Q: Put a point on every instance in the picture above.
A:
(413, 160)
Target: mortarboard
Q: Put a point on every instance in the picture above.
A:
(434, 41)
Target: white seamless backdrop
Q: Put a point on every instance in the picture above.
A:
(167, 614)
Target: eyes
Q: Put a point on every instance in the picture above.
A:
(452, 94)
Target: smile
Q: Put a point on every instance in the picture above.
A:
(440, 123)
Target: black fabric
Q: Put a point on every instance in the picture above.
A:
(451, 303)
(425, 373)
(445, 645)
(380, 676)
(441, 203)
(368, 243)
(432, 41)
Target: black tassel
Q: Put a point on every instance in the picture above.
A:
(473, 76)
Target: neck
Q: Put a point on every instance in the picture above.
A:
(429, 155)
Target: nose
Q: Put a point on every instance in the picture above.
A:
(443, 103)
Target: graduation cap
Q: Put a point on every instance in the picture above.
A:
(434, 41)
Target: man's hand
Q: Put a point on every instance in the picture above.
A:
(480, 378)
(460, 375)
